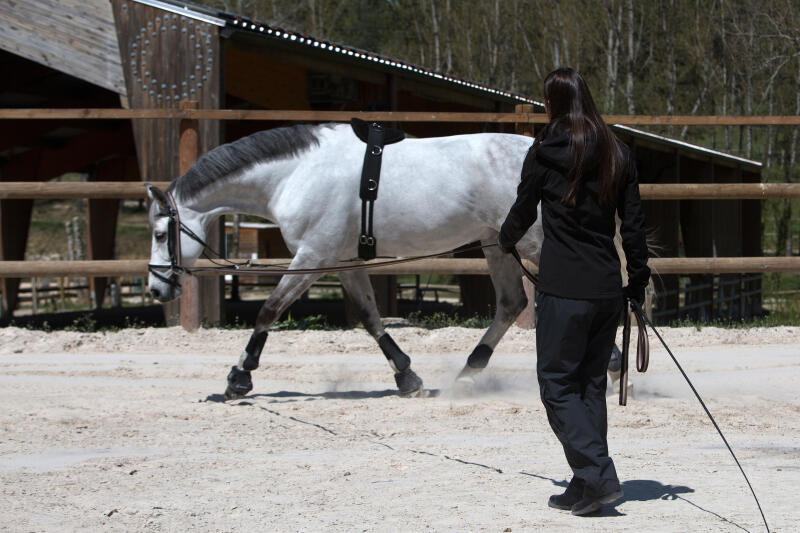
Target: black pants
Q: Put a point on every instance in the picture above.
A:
(574, 339)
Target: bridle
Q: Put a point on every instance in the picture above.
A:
(170, 273)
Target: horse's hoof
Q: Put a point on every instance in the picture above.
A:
(408, 383)
(239, 383)
(464, 386)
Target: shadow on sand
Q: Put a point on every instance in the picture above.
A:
(332, 395)
(642, 490)
(635, 490)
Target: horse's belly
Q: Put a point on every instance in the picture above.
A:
(426, 233)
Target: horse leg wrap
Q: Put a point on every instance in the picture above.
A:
(399, 360)
(249, 359)
(408, 383)
(479, 357)
(239, 383)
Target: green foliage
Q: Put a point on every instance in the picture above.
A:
(83, 324)
(314, 322)
(444, 320)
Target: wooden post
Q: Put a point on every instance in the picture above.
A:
(101, 218)
(527, 318)
(187, 152)
(385, 288)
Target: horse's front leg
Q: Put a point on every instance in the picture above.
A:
(287, 291)
(359, 291)
(511, 300)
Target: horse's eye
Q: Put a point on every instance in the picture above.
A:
(160, 236)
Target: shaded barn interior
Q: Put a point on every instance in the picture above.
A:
(154, 54)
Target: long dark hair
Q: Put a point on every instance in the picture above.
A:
(572, 108)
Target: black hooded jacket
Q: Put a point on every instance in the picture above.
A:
(578, 257)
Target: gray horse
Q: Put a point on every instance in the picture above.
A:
(436, 194)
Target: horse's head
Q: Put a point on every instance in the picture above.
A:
(170, 252)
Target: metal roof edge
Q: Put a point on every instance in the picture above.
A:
(186, 11)
(684, 144)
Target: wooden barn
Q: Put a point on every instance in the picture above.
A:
(144, 54)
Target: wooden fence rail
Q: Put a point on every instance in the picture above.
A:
(13, 190)
(452, 266)
(388, 116)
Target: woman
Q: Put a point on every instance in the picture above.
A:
(582, 175)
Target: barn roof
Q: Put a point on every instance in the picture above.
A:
(305, 42)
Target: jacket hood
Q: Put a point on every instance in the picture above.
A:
(555, 150)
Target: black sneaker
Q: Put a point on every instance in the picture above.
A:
(591, 502)
(570, 497)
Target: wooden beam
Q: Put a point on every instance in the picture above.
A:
(718, 191)
(50, 190)
(650, 191)
(387, 116)
(476, 266)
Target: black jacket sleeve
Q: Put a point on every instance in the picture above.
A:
(523, 213)
(634, 242)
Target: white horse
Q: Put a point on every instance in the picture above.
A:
(435, 194)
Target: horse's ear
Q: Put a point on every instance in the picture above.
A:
(156, 195)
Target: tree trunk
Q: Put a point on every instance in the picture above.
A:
(631, 59)
(448, 47)
(437, 62)
(792, 163)
(612, 55)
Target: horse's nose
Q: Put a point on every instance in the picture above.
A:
(155, 293)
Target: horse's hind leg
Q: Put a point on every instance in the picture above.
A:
(287, 291)
(511, 300)
(359, 291)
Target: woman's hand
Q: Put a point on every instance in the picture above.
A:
(634, 293)
(505, 247)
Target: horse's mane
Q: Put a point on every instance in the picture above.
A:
(260, 147)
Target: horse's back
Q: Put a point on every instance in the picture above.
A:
(434, 193)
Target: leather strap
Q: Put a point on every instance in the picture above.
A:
(642, 348)
(368, 191)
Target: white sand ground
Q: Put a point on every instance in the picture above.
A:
(125, 432)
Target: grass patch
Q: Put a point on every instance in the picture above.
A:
(313, 322)
(443, 320)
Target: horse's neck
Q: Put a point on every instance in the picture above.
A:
(249, 192)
